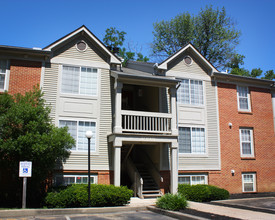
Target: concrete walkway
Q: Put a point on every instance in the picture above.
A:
(230, 212)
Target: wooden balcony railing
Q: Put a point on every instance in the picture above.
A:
(146, 122)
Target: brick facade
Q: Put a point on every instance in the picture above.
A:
(24, 75)
(260, 120)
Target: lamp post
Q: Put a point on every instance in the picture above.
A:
(89, 135)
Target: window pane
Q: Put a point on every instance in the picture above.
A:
(243, 97)
(72, 128)
(184, 140)
(70, 80)
(184, 180)
(196, 92)
(248, 181)
(183, 92)
(198, 140)
(69, 180)
(2, 81)
(88, 81)
(246, 142)
(198, 180)
(82, 143)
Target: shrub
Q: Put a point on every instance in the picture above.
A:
(172, 202)
(202, 193)
(77, 196)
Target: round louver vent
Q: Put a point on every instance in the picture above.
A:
(81, 46)
(188, 60)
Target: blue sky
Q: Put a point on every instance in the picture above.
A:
(38, 23)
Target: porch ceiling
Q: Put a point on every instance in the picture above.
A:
(141, 138)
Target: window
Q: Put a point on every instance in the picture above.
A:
(246, 141)
(191, 140)
(190, 92)
(249, 182)
(79, 80)
(78, 129)
(3, 75)
(193, 179)
(72, 179)
(243, 98)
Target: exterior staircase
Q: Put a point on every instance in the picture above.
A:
(150, 188)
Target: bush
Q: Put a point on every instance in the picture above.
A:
(172, 202)
(202, 193)
(77, 196)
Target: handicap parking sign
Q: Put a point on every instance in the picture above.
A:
(25, 169)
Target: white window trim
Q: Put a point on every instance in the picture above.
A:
(189, 84)
(80, 95)
(79, 175)
(205, 154)
(76, 141)
(193, 175)
(254, 181)
(248, 99)
(7, 74)
(252, 142)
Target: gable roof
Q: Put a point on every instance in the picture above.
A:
(163, 65)
(83, 28)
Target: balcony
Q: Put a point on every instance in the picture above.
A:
(146, 122)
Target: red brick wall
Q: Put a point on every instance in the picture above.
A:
(261, 120)
(23, 76)
(165, 185)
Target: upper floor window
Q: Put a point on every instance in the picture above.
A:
(3, 75)
(191, 140)
(193, 179)
(79, 80)
(190, 92)
(246, 141)
(243, 98)
(78, 129)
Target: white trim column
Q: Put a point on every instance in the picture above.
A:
(273, 104)
(118, 93)
(117, 161)
(174, 167)
(173, 109)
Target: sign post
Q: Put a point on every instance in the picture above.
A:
(25, 170)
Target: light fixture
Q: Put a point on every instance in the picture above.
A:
(233, 172)
(230, 125)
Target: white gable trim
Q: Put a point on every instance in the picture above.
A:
(164, 64)
(113, 59)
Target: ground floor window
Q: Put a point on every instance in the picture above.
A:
(73, 179)
(193, 179)
(249, 182)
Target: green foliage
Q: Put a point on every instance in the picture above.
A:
(77, 196)
(202, 193)
(115, 39)
(235, 68)
(212, 32)
(173, 202)
(27, 133)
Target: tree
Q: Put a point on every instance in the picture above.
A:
(212, 32)
(114, 40)
(27, 134)
(235, 68)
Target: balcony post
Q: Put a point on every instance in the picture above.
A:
(117, 144)
(118, 93)
(174, 167)
(173, 109)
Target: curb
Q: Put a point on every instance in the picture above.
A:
(174, 214)
(66, 211)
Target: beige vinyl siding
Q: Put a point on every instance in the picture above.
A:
(70, 51)
(194, 69)
(50, 86)
(100, 159)
(211, 161)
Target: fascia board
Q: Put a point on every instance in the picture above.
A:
(113, 58)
